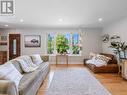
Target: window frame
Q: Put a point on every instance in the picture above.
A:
(64, 33)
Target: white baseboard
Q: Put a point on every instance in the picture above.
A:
(65, 62)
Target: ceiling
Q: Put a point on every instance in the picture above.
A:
(65, 13)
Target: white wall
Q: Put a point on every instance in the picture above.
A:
(119, 28)
(91, 41)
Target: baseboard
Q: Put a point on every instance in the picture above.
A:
(67, 65)
(65, 62)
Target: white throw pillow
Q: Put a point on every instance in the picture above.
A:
(26, 67)
(36, 59)
(9, 72)
(95, 62)
(28, 60)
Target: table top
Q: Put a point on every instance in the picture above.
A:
(61, 55)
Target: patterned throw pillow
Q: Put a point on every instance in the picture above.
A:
(102, 57)
(9, 72)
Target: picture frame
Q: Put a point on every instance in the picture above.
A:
(105, 38)
(3, 38)
(32, 41)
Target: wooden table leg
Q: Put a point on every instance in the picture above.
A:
(56, 60)
(67, 60)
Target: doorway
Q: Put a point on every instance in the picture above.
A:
(14, 46)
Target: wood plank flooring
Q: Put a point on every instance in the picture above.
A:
(113, 82)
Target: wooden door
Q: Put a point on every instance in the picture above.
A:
(14, 46)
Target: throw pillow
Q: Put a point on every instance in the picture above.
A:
(97, 63)
(9, 72)
(36, 59)
(103, 58)
(28, 60)
(26, 67)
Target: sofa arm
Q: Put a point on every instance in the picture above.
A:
(85, 61)
(8, 88)
(45, 58)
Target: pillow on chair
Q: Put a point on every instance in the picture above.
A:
(99, 60)
(103, 58)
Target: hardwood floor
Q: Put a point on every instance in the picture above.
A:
(113, 82)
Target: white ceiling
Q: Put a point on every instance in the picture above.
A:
(75, 13)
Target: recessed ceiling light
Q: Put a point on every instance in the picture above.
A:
(60, 20)
(21, 20)
(6, 25)
(100, 19)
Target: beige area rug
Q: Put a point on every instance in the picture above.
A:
(75, 82)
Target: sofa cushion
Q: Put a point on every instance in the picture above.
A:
(43, 66)
(29, 79)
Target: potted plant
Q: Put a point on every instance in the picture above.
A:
(123, 47)
(61, 44)
(119, 47)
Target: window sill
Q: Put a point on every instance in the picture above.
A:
(71, 55)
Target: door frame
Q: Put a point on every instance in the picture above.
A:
(8, 44)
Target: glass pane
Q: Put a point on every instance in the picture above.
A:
(14, 46)
(75, 39)
(50, 44)
(75, 43)
(68, 36)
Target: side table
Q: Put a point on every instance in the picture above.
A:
(65, 56)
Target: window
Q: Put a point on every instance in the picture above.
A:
(73, 41)
(75, 44)
(50, 44)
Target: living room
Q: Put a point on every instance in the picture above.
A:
(34, 32)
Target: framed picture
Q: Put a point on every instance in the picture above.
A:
(105, 38)
(3, 38)
(32, 40)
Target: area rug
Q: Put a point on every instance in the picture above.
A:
(75, 82)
